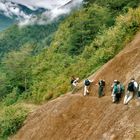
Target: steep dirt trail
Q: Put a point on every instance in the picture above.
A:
(74, 117)
(122, 67)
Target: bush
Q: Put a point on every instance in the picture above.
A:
(11, 98)
(11, 119)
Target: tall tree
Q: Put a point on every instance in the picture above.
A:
(17, 67)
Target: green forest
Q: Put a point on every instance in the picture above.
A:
(37, 61)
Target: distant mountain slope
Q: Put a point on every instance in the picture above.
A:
(74, 117)
(38, 36)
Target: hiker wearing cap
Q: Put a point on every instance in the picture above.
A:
(132, 90)
(87, 84)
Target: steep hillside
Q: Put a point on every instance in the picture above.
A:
(78, 45)
(74, 117)
(123, 67)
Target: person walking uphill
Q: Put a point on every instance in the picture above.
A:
(114, 91)
(120, 91)
(117, 90)
(132, 90)
(87, 84)
(101, 84)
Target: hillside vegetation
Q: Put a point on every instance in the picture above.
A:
(38, 61)
(36, 36)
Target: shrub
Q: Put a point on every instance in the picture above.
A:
(11, 98)
(11, 119)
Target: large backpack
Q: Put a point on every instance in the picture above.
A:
(87, 82)
(131, 86)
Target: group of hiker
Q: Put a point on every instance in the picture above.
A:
(117, 89)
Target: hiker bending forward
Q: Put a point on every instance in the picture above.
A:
(132, 90)
(87, 84)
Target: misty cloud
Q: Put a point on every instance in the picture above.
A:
(47, 4)
(12, 9)
(54, 8)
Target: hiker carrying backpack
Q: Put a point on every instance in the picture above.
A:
(117, 90)
(132, 90)
(101, 84)
(120, 91)
(87, 83)
(74, 83)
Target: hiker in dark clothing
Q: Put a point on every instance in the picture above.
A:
(120, 91)
(101, 84)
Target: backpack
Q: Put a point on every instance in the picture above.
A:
(72, 81)
(87, 82)
(131, 86)
(101, 83)
(120, 88)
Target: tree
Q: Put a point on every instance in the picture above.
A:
(17, 67)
